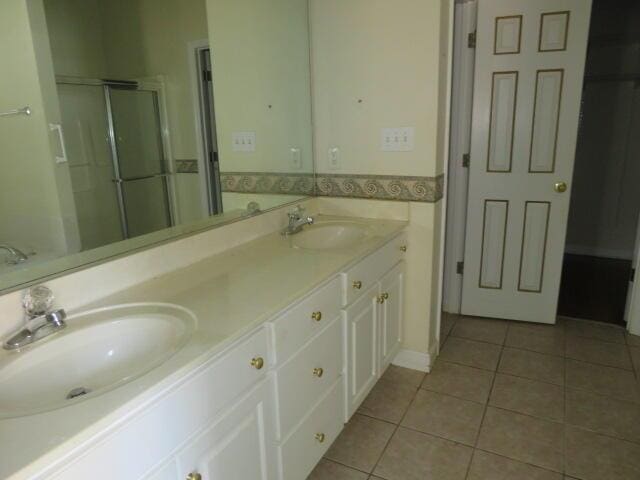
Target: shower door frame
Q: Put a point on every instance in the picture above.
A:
(142, 85)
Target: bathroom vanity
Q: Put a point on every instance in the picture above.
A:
(290, 335)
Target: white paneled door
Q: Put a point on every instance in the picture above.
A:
(530, 57)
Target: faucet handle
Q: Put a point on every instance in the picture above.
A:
(37, 301)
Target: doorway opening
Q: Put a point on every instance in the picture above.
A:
(605, 198)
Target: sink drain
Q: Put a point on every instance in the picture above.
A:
(77, 392)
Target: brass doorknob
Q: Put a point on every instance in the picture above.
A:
(560, 187)
(357, 284)
(194, 476)
(257, 363)
(318, 372)
(317, 316)
(320, 437)
(385, 296)
(380, 299)
(403, 248)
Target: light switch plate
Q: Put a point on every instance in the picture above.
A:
(398, 139)
(244, 141)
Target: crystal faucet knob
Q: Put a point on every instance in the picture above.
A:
(37, 301)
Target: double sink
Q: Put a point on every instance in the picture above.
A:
(105, 348)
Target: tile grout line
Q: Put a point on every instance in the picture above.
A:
(397, 427)
(486, 405)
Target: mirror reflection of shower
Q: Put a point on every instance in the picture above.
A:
(117, 158)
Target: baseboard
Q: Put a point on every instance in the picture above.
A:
(413, 360)
(599, 252)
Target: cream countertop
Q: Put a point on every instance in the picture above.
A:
(231, 293)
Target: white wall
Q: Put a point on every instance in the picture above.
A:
(395, 57)
(385, 54)
(257, 89)
(36, 207)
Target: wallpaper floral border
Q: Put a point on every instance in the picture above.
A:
(380, 187)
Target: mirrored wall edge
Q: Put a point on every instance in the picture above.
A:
(42, 272)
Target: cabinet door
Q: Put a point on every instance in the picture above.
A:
(238, 445)
(391, 312)
(362, 348)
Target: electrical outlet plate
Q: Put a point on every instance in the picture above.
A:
(397, 139)
(334, 158)
(296, 158)
(244, 141)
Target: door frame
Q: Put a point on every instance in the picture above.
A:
(632, 312)
(194, 50)
(465, 19)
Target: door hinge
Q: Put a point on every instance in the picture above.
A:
(460, 268)
(207, 76)
(471, 40)
(466, 159)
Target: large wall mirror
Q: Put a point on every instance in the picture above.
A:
(124, 123)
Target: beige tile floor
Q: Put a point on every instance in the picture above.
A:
(504, 401)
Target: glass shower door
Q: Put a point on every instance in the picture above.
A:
(141, 166)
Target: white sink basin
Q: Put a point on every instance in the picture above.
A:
(97, 351)
(328, 235)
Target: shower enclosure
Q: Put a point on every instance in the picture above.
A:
(117, 159)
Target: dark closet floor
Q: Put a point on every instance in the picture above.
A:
(594, 288)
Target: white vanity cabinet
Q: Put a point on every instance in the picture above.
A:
(237, 445)
(270, 405)
(373, 319)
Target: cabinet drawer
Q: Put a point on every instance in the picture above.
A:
(308, 375)
(297, 325)
(245, 365)
(303, 449)
(362, 276)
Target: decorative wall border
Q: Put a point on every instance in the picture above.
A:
(267, 182)
(378, 187)
(381, 187)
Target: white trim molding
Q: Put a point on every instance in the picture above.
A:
(413, 360)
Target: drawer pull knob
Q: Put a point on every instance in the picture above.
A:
(357, 284)
(403, 248)
(383, 297)
(320, 437)
(318, 372)
(317, 316)
(257, 363)
(194, 476)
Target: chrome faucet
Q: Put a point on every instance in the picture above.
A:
(15, 255)
(297, 220)
(41, 319)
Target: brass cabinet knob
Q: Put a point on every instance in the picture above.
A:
(318, 372)
(357, 284)
(257, 363)
(320, 437)
(194, 476)
(560, 187)
(317, 316)
(403, 248)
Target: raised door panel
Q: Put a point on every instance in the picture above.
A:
(239, 444)
(392, 288)
(362, 352)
